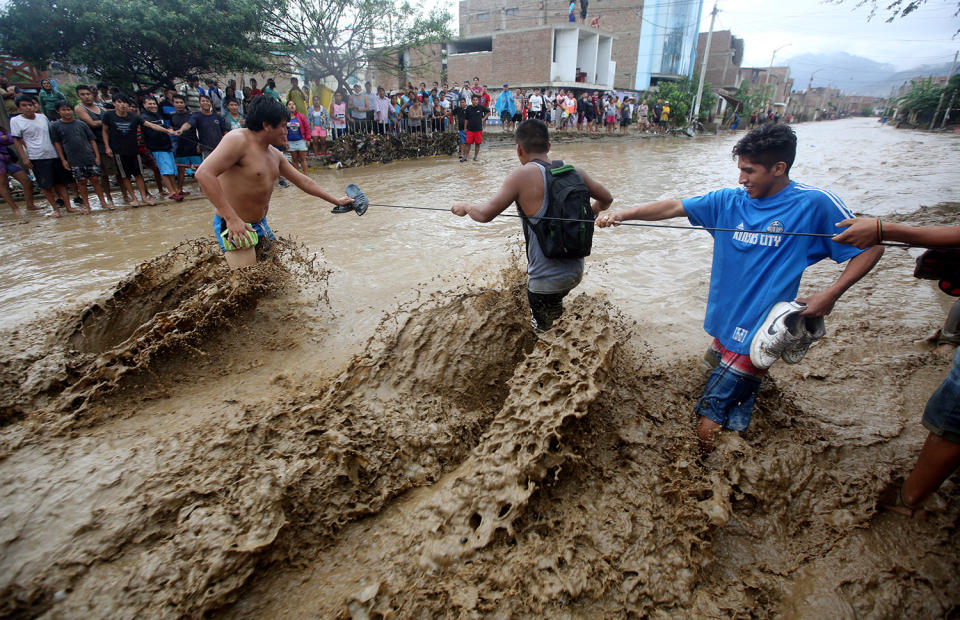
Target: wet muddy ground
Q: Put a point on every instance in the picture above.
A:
(375, 432)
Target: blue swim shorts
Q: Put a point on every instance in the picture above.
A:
(263, 231)
(728, 397)
(463, 137)
(189, 160)
(165, 162)
(942, 415)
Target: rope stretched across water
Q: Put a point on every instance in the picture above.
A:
(674, 226)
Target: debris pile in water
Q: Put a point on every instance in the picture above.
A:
(361, 149)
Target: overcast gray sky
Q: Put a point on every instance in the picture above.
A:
(924, 37)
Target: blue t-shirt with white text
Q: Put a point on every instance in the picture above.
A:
(753, 271)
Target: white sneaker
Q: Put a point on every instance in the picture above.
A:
(813, 330)
(781, 330)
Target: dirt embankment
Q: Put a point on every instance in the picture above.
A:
(182, 447)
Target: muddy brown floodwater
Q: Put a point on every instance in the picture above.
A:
(367, 427)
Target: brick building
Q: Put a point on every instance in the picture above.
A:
(723, 64)
(774, 81)
(618, 19)
(562, 55)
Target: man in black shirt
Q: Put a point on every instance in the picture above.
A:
(120, 140)
(187, 153)
(476, 116)
(460, 114)
(160, 146)
(210, 126)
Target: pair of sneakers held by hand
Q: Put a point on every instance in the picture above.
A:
(785, 334)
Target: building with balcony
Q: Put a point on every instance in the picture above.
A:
(566, 55)
(618, 20)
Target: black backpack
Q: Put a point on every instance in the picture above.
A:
(567, 198)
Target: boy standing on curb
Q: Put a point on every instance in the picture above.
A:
(529, 186)
(120, 140)
(31, 133)
(77, 147)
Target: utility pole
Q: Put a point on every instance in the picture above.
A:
(933, 121)
(703, 65)
(766, 80)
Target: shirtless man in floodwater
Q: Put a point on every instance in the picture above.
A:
(239, 175)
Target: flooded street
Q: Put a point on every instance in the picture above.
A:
(368, 428)
(389, 252)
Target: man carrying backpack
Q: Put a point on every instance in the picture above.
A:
(545, 189)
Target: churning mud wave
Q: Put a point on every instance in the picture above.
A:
(455, 466)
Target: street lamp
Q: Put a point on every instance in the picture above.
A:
(770, 68)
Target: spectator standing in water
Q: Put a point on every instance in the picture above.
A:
(186, 151)
(476, 117)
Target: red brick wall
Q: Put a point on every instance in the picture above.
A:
(517, 58)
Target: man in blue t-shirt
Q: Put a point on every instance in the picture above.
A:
(754, 270)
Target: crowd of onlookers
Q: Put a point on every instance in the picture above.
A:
(110, 139)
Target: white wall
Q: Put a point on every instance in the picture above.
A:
(587, 55)
(606, 69)
(565, 67)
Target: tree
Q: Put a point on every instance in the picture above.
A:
(680, 94)
(753, 99)
(896, 8)
(334, 38)
(150, 42)
(919, 104)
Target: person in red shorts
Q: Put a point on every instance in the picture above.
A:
(476, 116)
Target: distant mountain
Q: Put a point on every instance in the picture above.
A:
(854, 75)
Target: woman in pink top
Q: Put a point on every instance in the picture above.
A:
(338, 110)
